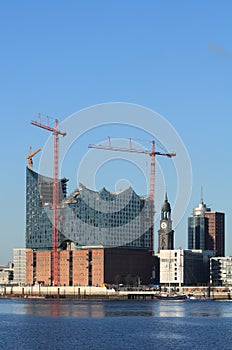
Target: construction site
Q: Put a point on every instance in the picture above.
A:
(87, 238)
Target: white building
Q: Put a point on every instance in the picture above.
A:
(184, 268)
(6, 274)
(19, 255)
(221, 271)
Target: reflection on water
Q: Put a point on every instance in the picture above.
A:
(101, 309)
(87, 308)
(62, 308)
(115, 325)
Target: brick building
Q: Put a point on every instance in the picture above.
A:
(216, 232)
(92, 266)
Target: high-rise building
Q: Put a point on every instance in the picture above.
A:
(216, 232)
(206, 230)
(86, 217)
(165, 233)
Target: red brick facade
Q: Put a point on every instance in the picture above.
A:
(80, 267)
(64, 256)
(92, 266)
(97, 267)
(29, 268)
(43, 267)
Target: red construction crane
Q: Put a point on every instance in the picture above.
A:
(152, 154)
(55, 257)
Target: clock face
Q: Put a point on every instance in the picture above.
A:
(163, 225)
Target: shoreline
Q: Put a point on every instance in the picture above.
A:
(103, 293)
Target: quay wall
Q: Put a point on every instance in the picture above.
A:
(92, 292)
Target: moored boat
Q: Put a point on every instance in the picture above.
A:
(167, 296)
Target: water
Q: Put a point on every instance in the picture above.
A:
(59, 324)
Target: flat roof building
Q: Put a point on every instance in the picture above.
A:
(221, 271)
(93, 266)
(181, 267)
(19, 256)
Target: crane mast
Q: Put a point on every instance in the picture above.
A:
(152, 154)
(30, 156)
(55, 257)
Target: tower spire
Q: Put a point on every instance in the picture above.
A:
(202, 199)
(166, 195)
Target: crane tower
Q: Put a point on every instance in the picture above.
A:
(55, 258)
(152, 154)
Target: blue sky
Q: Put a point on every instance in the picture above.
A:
(174, 57)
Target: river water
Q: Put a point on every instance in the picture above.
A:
(60, 324)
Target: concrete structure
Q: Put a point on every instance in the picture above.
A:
(6, 274)
(221, 271)
(180, 268)
(93, 266)
(165, 233)
(206, 230)
(19, 256)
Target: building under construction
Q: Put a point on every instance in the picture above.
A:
(103, 237)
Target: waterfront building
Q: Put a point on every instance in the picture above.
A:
(19, 259)
(103, 237)
(206, 230)
(6, 274)
(181, 267)
(221, 271)
(92, 265)
(165, 233)
(86, 217)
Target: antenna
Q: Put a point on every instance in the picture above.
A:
(202, 199)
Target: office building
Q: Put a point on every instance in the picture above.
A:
(215, 239)
(206, 230)
(181, 267)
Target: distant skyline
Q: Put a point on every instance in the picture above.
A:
(172, 57)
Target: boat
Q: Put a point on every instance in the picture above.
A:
(194, 298)
(169, 296)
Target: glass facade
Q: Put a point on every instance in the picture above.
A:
(196, 232)
(86, 217)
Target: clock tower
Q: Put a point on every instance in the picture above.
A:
(166, 233)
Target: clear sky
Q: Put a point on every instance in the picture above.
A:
(59, 57)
